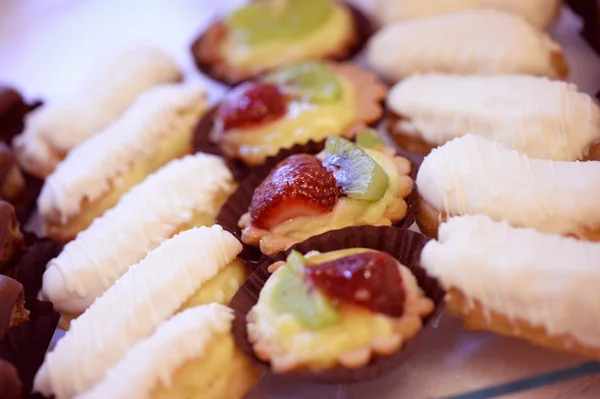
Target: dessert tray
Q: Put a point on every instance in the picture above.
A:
(291, 198)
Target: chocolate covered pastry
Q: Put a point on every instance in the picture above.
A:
(12, 112)
(12, 182)
(12, 244)
(10, 384)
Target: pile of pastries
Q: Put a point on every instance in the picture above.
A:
(284, 202)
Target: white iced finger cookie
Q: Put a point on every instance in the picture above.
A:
(54, 129)
(539, 13)
(196, 342)
(178, 196)
(466, 42)
(518, 281)
(471, 175)
(154, 130)
(536, 116)
(131, 310)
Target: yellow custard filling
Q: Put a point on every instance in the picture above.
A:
(347, 212)
(318, 44)
(223, 372)
(302, 123)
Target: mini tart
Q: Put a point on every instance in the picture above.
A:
(190, 355)
(471, 175)
(192, 268)
(536, 116)
(342, 212)
(358, 106)
(459, 43)
(156, 129)
(140, 222)
(539, 13)
(224, 53)
(352, 335)
(519, 282)
(53, 129)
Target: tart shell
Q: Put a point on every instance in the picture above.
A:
(363, 31)
(402, 244)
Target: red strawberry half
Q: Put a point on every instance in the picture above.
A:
(298, 186)
(250, 104)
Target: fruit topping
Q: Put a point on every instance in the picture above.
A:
(369, 139)
(310, 81)
(250, 104)
(359, 176)
(369, 279)
(278, 20)
(298, 186)
(292, 294)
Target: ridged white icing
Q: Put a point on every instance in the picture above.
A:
(534, 115)
(129, 311)
(100, 99)
(144, 217)
(465, 42)
(539, 13)
(183, 338)
(548, 280)
(471, 175)
(89, 169)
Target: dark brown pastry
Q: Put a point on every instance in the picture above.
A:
(12, 243)
(12, 182)
(12, 112)
(12, 305)
(10, 384)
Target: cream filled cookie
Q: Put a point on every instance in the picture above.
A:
(344, 185)
(340, 308)
(190, 269)
(539, 13)
(52, 130)
(519, 282)
(471, 175)
(293, 105)
(271, 33)
(534, 115)
(155, 129)
(191, 355)
(467, 42)
(177, 197)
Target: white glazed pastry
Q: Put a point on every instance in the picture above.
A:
(131, 310)
(55, 128)
(194, 343)
(539, 13)
(178, 196)
(534, 115)
(518, 281)
(467, 42)
(471, 175)
(155, 129)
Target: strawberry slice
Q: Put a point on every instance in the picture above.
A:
(298, 186)
(251, 104)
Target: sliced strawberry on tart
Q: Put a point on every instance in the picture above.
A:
(345, 185)
(293, 105)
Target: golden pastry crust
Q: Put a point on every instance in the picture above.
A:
(475, 317)
(209, 58)
(429, 218)
(416, 144)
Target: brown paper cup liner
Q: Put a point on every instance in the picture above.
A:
(32, 265)
(403, 244)
(364, 30)
(415, 158)
(239, 202)
(33, 186)
(25, 345)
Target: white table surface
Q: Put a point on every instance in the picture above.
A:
(47, 45)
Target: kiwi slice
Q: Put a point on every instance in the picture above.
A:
(358, 175)
(277, 20)
(312, 81)
(293, 294)
(369, 139)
